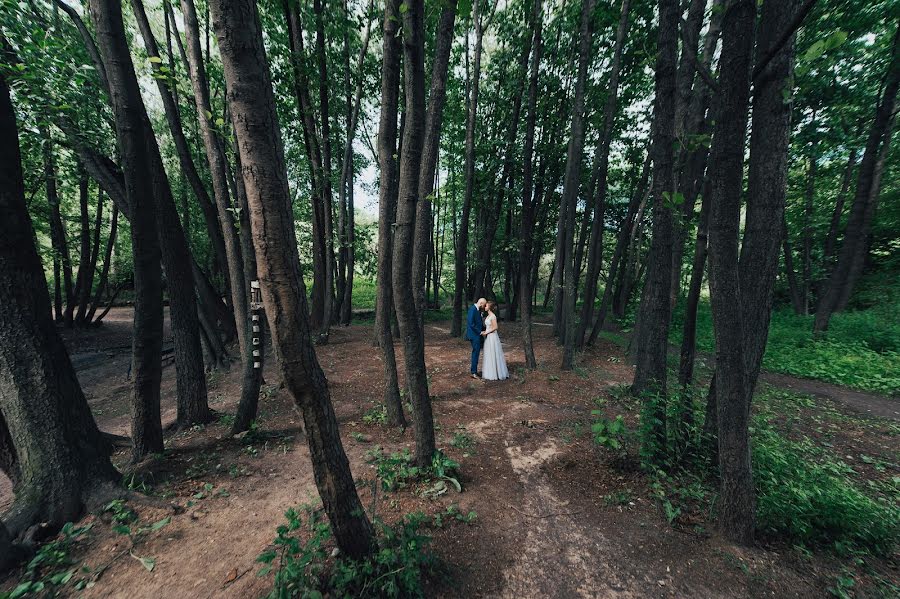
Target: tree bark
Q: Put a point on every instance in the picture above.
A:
(57, 230)
(689, 327)
(252, 105)
(527, 248)
(790, 272)
(218, 170)
(572, 184)
(834, 226)
(131, 132)
(462, 242)
(431, 147)
(854, 246)
(85, 273)
(736, 497)
(600, 178)
(61, 459)
(411, 329)
(655, 310)
(387, 197)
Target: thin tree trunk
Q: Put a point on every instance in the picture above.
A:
(806, 251)
(387, 148)
(689, 327)
(431, 147)
(404, 234)
(789, 270)
(462, 246)
(85, 273)
(655, 311)
(327, 196)
(107, 263)
(572, 184)
(218, 170)
(252, 105)
(835, 225)
(600, 176)
(313, 153)
(57, 229)
(527, 248)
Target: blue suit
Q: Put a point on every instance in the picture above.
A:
(474, 326)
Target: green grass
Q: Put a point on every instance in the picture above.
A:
(860, 350)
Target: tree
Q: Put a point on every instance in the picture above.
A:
(571, 186)
(61, 460)
(528, 206)
(731, 376)
(411, 329)
(462, 242)
(131, 132)
(655, 312)
(600, 181)
(252, 105)
(387, 198)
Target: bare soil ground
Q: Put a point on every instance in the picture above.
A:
(556, 515)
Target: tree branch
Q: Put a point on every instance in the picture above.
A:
(791, 30)
(692, 54)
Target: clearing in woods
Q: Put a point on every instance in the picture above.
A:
(557, 516)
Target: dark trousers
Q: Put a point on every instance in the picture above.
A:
(476, 351)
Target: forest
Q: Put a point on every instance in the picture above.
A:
(252, 250)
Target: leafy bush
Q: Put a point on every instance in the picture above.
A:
(608, 433)
(303, 567)
(395, 471)
(810, 499)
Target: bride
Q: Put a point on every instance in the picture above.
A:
(494, 365)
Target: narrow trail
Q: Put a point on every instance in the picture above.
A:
(870, 404)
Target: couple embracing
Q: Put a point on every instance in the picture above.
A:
(481, 331)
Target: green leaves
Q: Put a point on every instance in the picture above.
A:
(819, 48)
(148, 562)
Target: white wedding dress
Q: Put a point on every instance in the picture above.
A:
(494, 366)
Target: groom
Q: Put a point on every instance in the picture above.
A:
(474, 329)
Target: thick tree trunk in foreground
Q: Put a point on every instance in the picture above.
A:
(600, 176)
(131, 133)
(411, 329)
(528, 208)
(571, 185)
(854, 246)
(252, 105)
(387, 198)
(655, 310)
(462, 241)
(61, 460)
(218, 169)
(431, 147)
(726, 174)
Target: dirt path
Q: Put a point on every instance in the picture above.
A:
(870, 404)
(555, 516)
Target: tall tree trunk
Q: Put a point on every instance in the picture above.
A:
(854, 246)
(313, 153)
(346, 185)
(131, 132)
(60, 459)
(431, 146)
(806, 251)
(835, 225)
(85, 272)
(252, 105)
(790, 272)
(626, 234)
(387, 165)
(327, 204)
(192, 404)
(85, 297)
(462, 242)
(731, 377)
(176, 127)
(528, 208)
(572, 184)
(411, 329)
(689, 327)
(600, 178)
(655, 310)
(107, 263)
(57, 229)
(218, 169)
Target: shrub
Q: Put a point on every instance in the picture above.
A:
(303, 567)
(810, 499)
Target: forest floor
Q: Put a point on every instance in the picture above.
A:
(557, 516)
